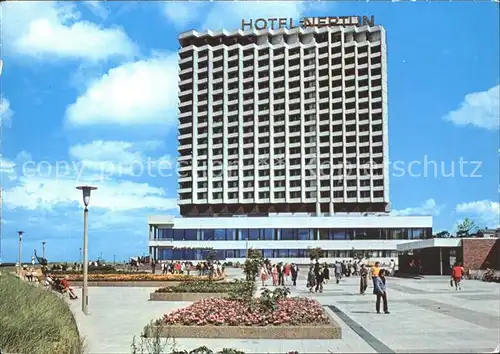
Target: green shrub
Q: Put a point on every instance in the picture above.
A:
(205, 287)
(34, 320)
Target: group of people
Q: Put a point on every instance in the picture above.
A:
(318, 274)
(281, 274)
(60, 285)
(203, 268)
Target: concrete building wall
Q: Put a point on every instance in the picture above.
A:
(285, 117)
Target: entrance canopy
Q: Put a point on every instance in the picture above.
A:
(430, 243)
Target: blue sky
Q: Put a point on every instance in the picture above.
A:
(89, 94)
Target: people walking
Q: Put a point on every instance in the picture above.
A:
(338, 272)
(319, 280)
(363, 279)
(392, 267)
(281, 274)
(374, 272)
(311, 279)
(294, 270)
(264, 275)
(380, 290)
(326, 273)
(287, 273)
(457, 273)
(274, 273)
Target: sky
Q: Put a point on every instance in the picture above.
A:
(89, 95)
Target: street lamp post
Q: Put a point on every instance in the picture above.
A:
(20, 233)
(80, 255)
(86, 199)
(43, 248)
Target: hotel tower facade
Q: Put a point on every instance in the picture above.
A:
(283, 146)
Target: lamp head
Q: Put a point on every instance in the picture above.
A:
(86, 193)
(20, 233)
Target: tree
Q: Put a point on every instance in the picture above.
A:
(443, 234)
(466, 228)
(211, 256)
(252, 264)
(315, 253)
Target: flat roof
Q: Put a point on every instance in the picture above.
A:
(277, 31)
(292, 222)
(430, 243)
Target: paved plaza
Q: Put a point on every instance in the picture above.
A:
(427, 315)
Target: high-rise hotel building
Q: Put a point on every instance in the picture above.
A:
(287, 128)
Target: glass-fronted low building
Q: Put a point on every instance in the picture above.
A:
(284, 238)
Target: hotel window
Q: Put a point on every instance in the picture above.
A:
(229, 254)
(294, 253)
(324, 234)
(230, 234)
(288, 234)
(178, 235)
(396, 234)
(191, 235)
(305, 234)
(373, 234)
(244, 235)
(417, 233)
(337, 234)
(268, 253)
(283, 253)
(208, 235)
(267, 234)
(166, 234)
(254, 234)
(220, 234)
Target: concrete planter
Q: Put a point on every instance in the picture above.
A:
(329, 331)
(183, 296)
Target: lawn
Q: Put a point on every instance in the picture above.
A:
(35, 320)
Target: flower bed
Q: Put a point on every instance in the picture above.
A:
(117, 277)
(293, 318)
(205, 287)
(225, 312)
(197, 290)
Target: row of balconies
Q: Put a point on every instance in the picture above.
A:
(284, 48)
(186, 76)
(281, 199)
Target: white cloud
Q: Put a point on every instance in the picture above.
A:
(429, 207)
(49, 29)
(5, 112)
(6, 166)
(119, 158)
(135, 93)
(483, 212)
(47, 193)
(228, 15)
(97, 9)
(181, 13)
(481, 109)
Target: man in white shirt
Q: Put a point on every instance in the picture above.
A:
(392, 267)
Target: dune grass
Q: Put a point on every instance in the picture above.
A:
(35, 320)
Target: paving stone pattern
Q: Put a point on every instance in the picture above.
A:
(427, 316)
